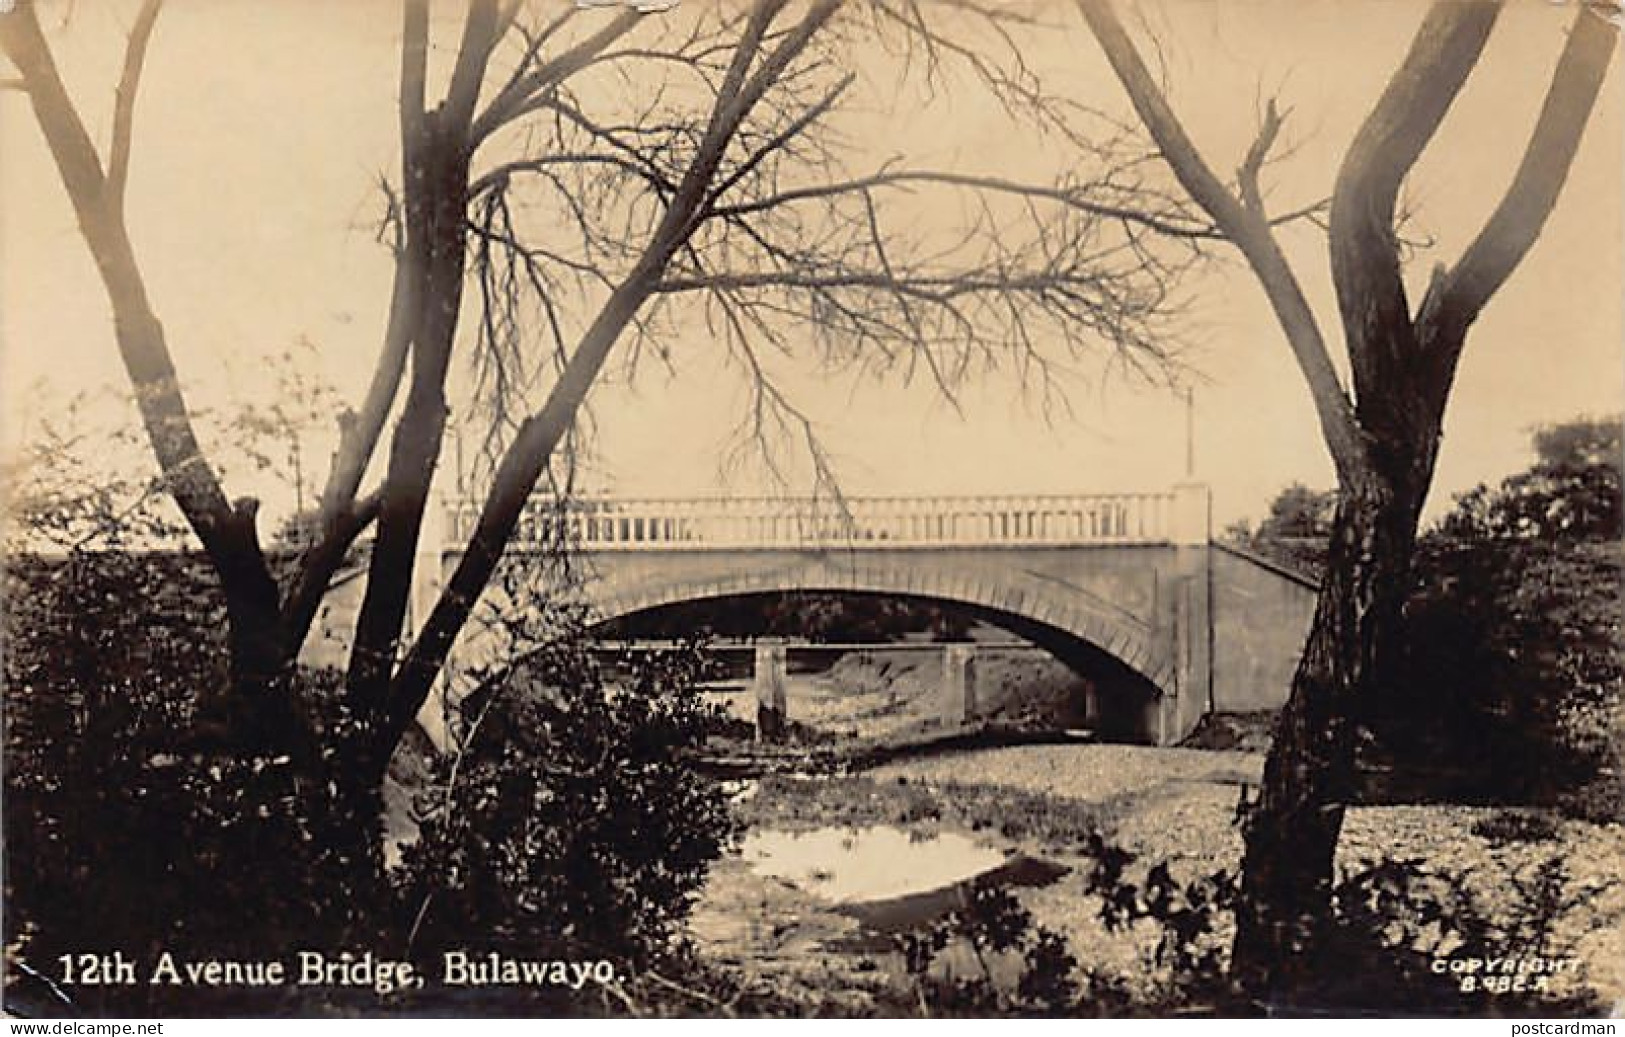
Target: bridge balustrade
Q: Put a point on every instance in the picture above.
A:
(626, 524)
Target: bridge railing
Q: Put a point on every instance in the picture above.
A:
(655, 524)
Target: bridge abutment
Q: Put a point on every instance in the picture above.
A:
(1188, 613)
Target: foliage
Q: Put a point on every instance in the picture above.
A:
(1506, 827)
(1391, 922)
(125, 828)
(134, 823)
(1571, 494)
(569, 824)
(1517, 645)
(1295, 530)
(1395, 921)
(1015, 965)
(1514, 630)
(816, 616)
(1508, 686)
(1185, 914)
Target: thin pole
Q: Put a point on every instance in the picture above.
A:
(457, 442)
(1190, 433)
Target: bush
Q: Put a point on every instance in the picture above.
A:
(1506, 827)
(123, 831)
(569, 825)
(134, 823)
(1015, 965)
(1511, 674)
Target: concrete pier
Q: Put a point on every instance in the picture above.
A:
(772, 709)
(958, 684)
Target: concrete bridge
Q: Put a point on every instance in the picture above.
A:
(1126, 588)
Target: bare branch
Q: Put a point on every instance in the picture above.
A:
(140, 337)
(1517, 221)
(226, 528)
(319, 565)
(539, 435)
(784, 136)
(1174, 224)
(497, 177)
(1365, 254)
(414, 61)
(359, 432)
(1252, 196)
(481, 30)
(524, 89)
(1247, 230)
(135, 54)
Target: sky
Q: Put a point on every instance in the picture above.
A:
(262, 129)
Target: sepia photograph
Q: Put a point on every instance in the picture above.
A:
(786, 509)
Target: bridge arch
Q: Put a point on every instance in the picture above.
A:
(1068, 620)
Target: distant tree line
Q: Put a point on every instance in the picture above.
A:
(811, 615)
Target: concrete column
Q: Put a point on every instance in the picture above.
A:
(428, 577)
(772, 708)
(1190, 613)
(958, 684)
(1190, 525)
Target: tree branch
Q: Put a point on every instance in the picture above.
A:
(140, 337)
(1173, 225)
(414, 73)
(1252, 195)
(317, 568)
(135, 54)
(1517, 221)
(226, 529)
(481, 29)
(813, 113)
(540, 434)
(1366, 266)
(1247, 230)
(359, 432)
(519, 94)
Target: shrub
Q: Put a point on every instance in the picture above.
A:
(1505, 827)
(1511, 673)
(1508, 684)
(124, 831)
(1017, 966)
(569, 824)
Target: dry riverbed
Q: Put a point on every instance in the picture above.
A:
(787, 915)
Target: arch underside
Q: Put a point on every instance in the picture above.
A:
(1075, 627)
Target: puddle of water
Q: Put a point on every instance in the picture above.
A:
(854, 865)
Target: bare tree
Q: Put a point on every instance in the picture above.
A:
(1384, 439)
(584, 171)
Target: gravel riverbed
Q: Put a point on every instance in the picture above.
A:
(1178, 806)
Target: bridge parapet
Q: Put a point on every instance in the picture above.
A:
(675, 524)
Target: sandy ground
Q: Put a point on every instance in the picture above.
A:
(1162, 804)
(877, 694)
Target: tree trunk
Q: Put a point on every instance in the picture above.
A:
(436, 193)
(1292, 831)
